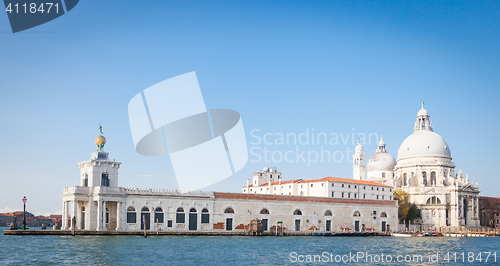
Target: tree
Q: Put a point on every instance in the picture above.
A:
(403, 203)
(406, 211)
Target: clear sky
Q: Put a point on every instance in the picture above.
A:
(338, 67)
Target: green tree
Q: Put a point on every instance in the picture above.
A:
(403, 204)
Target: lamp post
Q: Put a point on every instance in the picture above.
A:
(24, 213)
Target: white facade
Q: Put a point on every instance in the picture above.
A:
(424, 169)
(330, 187)
(99, 204)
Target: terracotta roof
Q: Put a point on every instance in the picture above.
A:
(331, 179)
(346, 180)
(251, 196)
(6, 214)
(282, 182)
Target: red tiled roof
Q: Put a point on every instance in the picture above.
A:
(331, 179)
(277, 183)
(251, 196)
(346, 180)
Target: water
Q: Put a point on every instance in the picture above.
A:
(234, 250)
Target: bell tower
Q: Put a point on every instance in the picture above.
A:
(358, 163)
(99, 170)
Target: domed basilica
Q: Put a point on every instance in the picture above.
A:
(424, 169)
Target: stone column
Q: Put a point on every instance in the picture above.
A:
(118, 215)
(104, 215)
(99, 215)
(63, 215)
(73, 213)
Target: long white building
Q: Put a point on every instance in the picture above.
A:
(99, 204)
(269, 181)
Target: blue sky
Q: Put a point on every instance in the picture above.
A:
(286, 66)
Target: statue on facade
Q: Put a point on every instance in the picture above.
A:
(100, 129)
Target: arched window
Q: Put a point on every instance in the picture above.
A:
(205, 216)
(356, 213)
(180, 216)
(104, 180)
(229, 210)
(159, 215)
(433, 178)
(192, 210)
(297, 212)
(131, 215)
(383, 214)
(424, 178)
(405, 182)
(328, 213)
(83, 209)
(145, 209)
(434, 200)
(264, 211)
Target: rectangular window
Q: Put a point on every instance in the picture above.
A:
(158, 217)
(105, 180)
(364, 187)
(342, 194)
(342, 185)
(205, 218)
(169, 223)
(364, 196)
(349, 195)
(180, 218)
(377, 196)
(131, 217)
(333, 194)
(382, 197)
(333, 185)
(348, 186)
(383, 175)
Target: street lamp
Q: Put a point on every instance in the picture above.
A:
(24, 213)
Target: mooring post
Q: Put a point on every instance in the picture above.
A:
(144, 225)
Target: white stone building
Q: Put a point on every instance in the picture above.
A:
(424, 169)
(99, 204)
(269, 181)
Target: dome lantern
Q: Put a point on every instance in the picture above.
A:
(423, 122)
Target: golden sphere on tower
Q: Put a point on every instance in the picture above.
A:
(98, 140)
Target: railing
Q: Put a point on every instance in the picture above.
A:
(168, 192)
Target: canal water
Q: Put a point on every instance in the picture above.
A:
(240, 250)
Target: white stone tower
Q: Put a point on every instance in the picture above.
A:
(99, 170)
(358, 163)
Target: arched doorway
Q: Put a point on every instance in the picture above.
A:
(193, 219)
(145, 219)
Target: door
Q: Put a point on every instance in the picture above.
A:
(193, 221)
(229, 224)
(145, 220)
(83, 220)
(356, 226)
(264, 224)
(383, 226)
(328, 225)
(297, 225)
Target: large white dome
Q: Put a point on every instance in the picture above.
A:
(424, 143)
(381, 161)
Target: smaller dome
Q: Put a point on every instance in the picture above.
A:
(98, 140)
(423, 112)
(381, 161)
